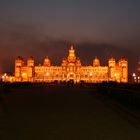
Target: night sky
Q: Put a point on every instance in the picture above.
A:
(39, 28)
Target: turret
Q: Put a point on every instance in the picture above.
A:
(112, 68)
(64, 64)
(30, 65)
(30, 62)
(78, 62)
(96, 62)
(112, 62)
(18, 64)
(47, 62)
(123, 63)
(71, 56)
(64, 61)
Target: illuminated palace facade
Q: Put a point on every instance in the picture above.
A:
(71, 69)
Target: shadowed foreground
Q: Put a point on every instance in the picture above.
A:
(63, 113)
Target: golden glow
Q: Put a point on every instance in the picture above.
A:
(134, 75)
(24, 76)
(90, 74)
(71, 69)
(47, 74)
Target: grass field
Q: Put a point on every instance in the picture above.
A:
(64, 113)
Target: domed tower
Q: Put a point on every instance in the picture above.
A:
(30, 65)
(30, 62)
(112, 67)
(64, 69)
(71, 56)
(96, 62)
(78, 62)
(47, 62)
(64, 61)
(123, 63)
(78, 65)
(112, 62)
(19, 62)
(64, 64)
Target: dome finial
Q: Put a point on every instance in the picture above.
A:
(71, 47)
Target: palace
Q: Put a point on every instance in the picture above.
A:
(71, 69)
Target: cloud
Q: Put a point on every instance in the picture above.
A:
(26, 40)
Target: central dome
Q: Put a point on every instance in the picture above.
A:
(47, 61)
(96, 62)
(71, 56)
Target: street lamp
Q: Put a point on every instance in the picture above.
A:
(138, 79)
(134, 77)
(4, 77)
(134, 74)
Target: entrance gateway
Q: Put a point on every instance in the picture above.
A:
(71, 77)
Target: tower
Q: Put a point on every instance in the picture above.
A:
(71, 56)
(123, 63)
(64, 64)
(112, 65)
(30, 65)
(64, 69)
(78, 63)
(47, 62)
(30, 62)
(71, 66)
(19, 62)
(78, 69)
(96, 62)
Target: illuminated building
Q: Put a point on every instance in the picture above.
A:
(71, 69)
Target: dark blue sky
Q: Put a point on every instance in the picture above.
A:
(110, 22)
